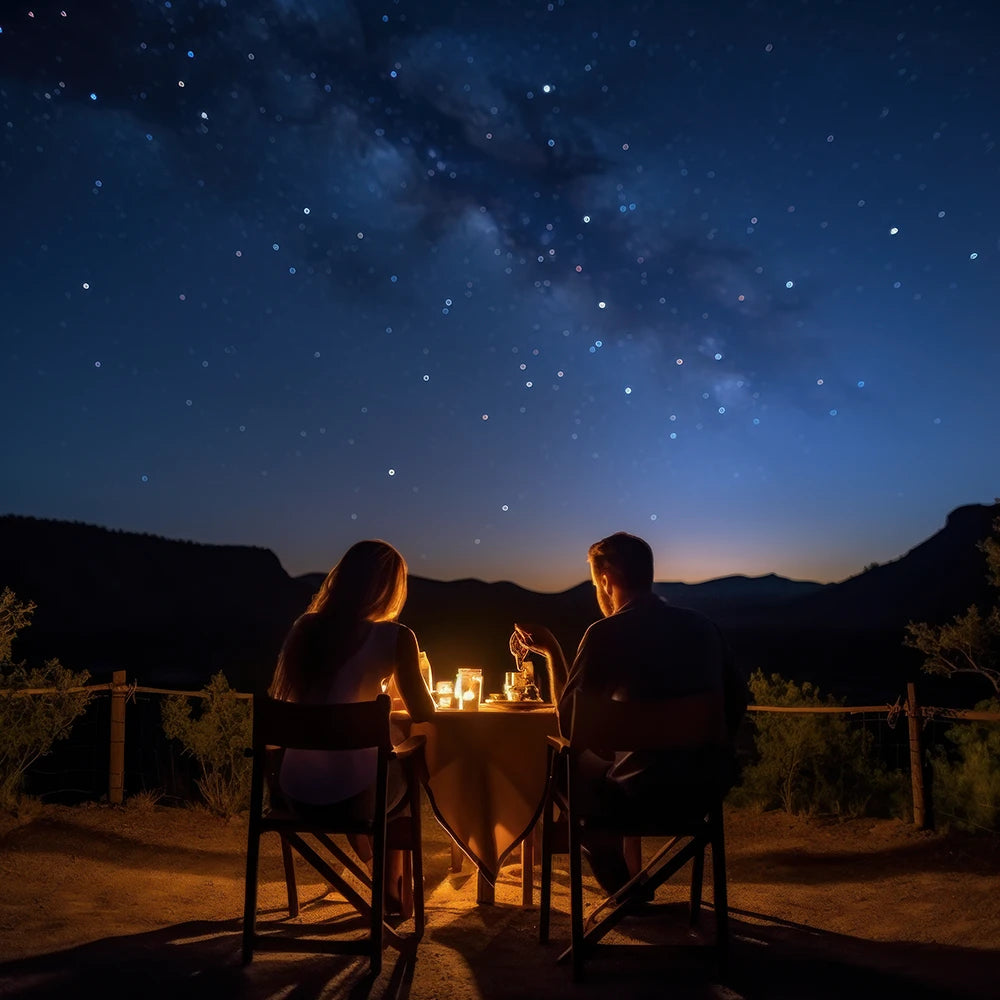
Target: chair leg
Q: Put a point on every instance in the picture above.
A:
(576, 901)
(290, 886)
(527, 869)
(545, 892)
(456, 857)
(378, 905)
(417, 864)
(697, 881)
(250, 894)
(720, 891)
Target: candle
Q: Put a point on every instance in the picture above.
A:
(469, 688)
(445, 694)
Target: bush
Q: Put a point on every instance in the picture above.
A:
(967, 777)
(816, 764)
(30, 724)
(216, 737)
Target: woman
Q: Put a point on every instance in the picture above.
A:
(348, 647)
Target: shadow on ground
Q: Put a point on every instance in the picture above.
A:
(491, 952)
(815, 867)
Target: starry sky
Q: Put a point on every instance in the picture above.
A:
(493, 280)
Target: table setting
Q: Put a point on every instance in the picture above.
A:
(485, 756)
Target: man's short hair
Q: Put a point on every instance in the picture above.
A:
(628, 557)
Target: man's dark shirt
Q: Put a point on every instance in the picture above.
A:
(650, 650)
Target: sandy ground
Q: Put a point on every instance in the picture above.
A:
(146, 901)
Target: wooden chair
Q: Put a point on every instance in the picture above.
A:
(690, 816)
(286, 725)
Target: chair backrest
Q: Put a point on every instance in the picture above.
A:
(687, 722)
(352, 726)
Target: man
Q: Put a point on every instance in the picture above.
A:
(644, 649)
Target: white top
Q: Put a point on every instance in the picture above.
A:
(320, 777)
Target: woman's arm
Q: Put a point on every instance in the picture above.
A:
(411, 685)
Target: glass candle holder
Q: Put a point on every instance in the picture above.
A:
(445, 694)
(469, 688)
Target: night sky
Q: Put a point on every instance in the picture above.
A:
(493, 280)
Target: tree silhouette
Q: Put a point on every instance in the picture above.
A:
(970, 642)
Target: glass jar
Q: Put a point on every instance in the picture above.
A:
(469, 688)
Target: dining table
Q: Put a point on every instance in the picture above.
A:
(486, 778)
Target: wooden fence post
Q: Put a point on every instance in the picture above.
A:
(916, 758)
(116, 768)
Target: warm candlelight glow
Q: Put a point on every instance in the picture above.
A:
(469, 688)
(445, 694)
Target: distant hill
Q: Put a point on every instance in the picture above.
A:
(731, 600)
(173, 612)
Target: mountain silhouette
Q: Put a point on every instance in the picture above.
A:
(848, 637)
(931, 582)
(163, 610)
(173, 612)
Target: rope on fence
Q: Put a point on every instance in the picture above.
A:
(932, 712)
(70, 690)
(895, 710)
(918, 717)
(130, 690)
(892, 711)
(823, 709)
(187, 694)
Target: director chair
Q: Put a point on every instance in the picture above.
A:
(688, 812)
(281, 725)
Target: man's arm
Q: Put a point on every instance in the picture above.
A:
(539, 639)
(588, 666)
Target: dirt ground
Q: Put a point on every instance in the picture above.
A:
(147, 901)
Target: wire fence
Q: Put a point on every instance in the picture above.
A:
(100, 763)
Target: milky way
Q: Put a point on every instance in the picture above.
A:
(494, 280)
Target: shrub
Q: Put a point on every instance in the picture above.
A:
(144, 801)
(216, 736)
(967, 776)
(813, 763)
(30, 724)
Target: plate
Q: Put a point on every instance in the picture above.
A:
(516, 706)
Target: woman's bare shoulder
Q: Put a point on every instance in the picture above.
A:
(396, 629)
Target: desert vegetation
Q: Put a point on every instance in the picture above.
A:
(29, 726)
(216, 730)
(814, 764)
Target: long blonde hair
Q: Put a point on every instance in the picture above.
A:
(367, 585)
